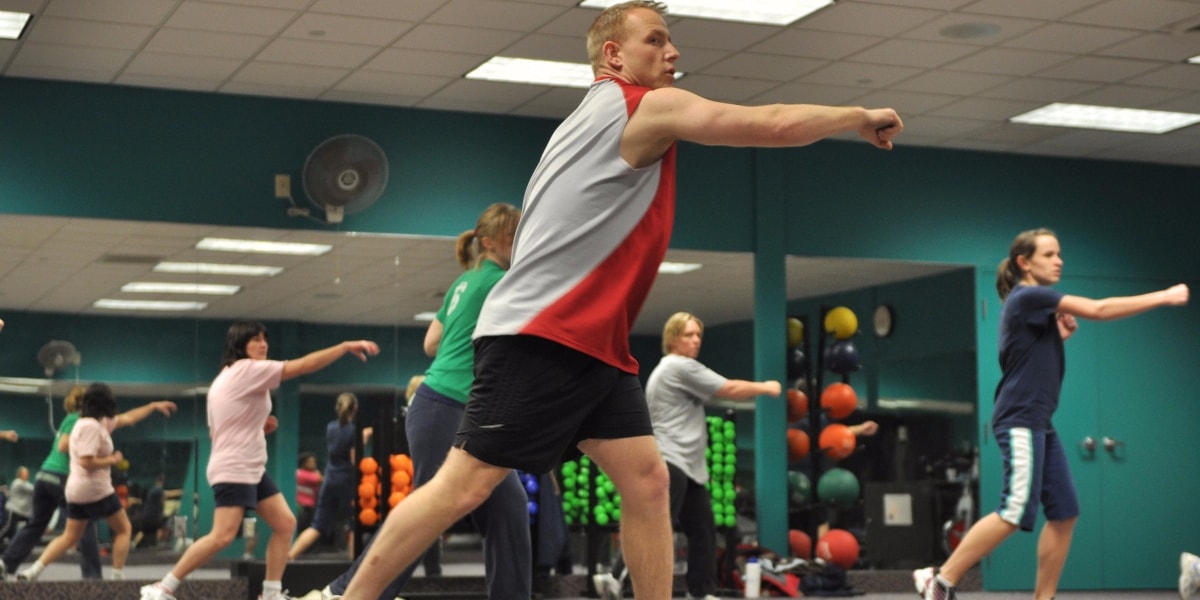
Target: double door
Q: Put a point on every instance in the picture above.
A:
(1130, 418)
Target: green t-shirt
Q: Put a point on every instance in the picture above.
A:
(59, 462)
(453, 368)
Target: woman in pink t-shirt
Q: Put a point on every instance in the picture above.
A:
(90, 492)
(308, 481)
(239, 407)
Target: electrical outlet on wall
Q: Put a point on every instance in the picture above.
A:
(283, 186)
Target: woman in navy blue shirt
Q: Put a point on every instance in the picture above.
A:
(1035, 321)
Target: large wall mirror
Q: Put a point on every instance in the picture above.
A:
(53, 270)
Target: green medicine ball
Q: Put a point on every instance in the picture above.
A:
(838, 487)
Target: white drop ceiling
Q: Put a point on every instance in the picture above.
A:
(935, 61)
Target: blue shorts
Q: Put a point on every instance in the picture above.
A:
(1035, 472)
(245, 495)
(100, 509)
(534, 400)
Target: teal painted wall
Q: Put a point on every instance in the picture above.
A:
(114, 152)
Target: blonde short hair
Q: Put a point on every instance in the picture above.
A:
(674, 327)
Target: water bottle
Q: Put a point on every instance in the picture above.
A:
(753, 578)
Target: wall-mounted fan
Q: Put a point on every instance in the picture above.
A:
(345, 174)
(57, 355)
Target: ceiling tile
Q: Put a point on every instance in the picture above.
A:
(1142, 14)
(74, 32)
(211, 16)
(718, 35)
(1042, 90)
(206, 43)
(142, 12)
(424, 62)
(764, 66)
(911, 53)
(815, 44)
(1130, 96)
(406, 10)
(988, 108)
(1059, 37)
(408, 84)
(318, 54)
(861, 18)
(197, 68)
(457, 39)
(1104, 70)
(1030, 9)
(350, 30)
(71, 58)
(492, 14)
(1180, 77)
(948, 82)
(549, 47)
(1009, 61)
(859, 75)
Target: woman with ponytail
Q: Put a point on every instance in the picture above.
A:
(1035, 321)
(438, 405)
(335, 500)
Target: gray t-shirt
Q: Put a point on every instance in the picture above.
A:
(676, 392)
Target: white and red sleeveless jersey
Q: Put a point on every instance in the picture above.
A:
(593, 232)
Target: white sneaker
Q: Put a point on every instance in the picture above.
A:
(156, 591)
(931, 587)
(1189, 581)
(607, 586)
(27, 575)
(280, 595)
(706, 597)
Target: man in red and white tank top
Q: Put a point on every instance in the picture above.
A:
(554, 373)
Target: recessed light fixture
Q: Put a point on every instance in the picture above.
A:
(538, 72)
(163, 305)
(677, 268)
(1108, 118)
(766, 12)
(262, 247)
(162, 287)
(527, 70)
(12, 24)
(18, 389)
(217, 269)
(425, 317)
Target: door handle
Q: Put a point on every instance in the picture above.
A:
(1111, 444)
(1088, 443)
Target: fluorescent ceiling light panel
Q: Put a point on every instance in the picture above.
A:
(1195, 60)
(527, 70)
(1108, 118)
(163, 305)
(161, 287)
(425, 317)
(12, 24)
(217, 269)
(18, 389)
(538, 72)
(766, 12)
(677, 268)
(262, 247)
